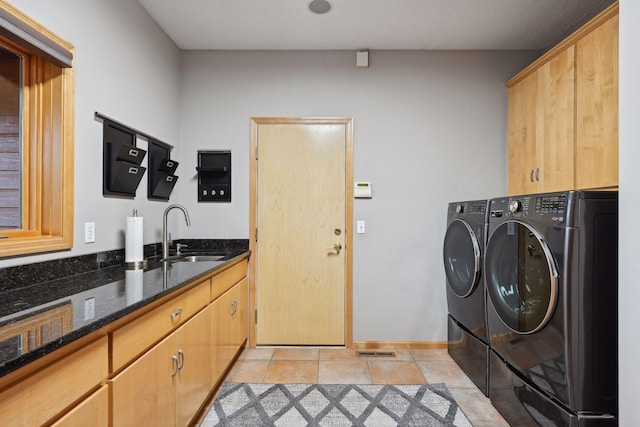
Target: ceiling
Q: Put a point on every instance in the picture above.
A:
(370, 24)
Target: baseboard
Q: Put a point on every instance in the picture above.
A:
(412, 345)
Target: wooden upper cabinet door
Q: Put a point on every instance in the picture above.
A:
(555, 123)
(597, 107)
(540, 128)
(522, 155)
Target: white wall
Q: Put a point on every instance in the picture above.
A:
(629, 291)
(429, 128)
(127, 68)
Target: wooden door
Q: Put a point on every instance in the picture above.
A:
(597, 107)
(302, 210)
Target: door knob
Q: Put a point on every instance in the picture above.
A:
(337, 247)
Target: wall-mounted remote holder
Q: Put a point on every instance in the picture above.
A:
(161, 177)
(121, 161)
(214, 176)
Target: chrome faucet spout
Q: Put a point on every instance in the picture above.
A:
(165, 240)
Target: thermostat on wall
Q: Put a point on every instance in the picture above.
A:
(362, 190)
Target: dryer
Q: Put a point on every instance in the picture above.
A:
(551, 276)
(463, 249)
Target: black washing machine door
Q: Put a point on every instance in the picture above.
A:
(521, 277)
(461, 254)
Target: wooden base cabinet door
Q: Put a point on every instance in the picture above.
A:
(144, 393)
(240, 317)
(194, 376)
(222, 335)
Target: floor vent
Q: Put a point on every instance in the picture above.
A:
(376, 354)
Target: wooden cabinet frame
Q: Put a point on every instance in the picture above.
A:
(47, 165)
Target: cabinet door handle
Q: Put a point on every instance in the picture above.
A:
(537, 174)
(531, 175)
(181, 356)
(176, 313)
(176, 366)
(234, 307)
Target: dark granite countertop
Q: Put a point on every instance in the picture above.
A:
(90, 300)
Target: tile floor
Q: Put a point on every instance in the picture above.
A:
(344, 366)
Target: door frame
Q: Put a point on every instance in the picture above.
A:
(253, 205)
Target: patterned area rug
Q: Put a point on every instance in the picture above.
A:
(332, 405)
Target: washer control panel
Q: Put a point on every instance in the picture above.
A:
(551, 204)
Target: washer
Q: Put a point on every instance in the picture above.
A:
(463, 249)
(551, 277)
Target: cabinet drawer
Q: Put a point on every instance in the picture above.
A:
(132, 339)
(229, 277)
(93, 411)
(39, 397)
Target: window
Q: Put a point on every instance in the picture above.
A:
(10, 138)
(36, 137)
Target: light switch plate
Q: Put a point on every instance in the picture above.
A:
(360, 227)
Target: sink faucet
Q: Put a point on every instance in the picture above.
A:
(165, 240)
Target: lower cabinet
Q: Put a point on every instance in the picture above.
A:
(156, 369)
(47, 392)
(167, 385)
(229, 327)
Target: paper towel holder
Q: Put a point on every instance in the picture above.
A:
(136, 265)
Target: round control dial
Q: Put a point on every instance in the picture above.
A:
(459, 209)
(515, 206)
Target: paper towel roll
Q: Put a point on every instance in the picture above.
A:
(133, 285)
(133, 251)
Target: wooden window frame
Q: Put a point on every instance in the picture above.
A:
(47, 151)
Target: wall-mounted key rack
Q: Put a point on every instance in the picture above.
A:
(214, 176)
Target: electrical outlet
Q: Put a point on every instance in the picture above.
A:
(89, 308)
(89, 232)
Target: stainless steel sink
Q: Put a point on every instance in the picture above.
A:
(199, 258)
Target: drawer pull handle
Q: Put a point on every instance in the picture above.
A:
(176, 366)
(176, 313)
(181, 357)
